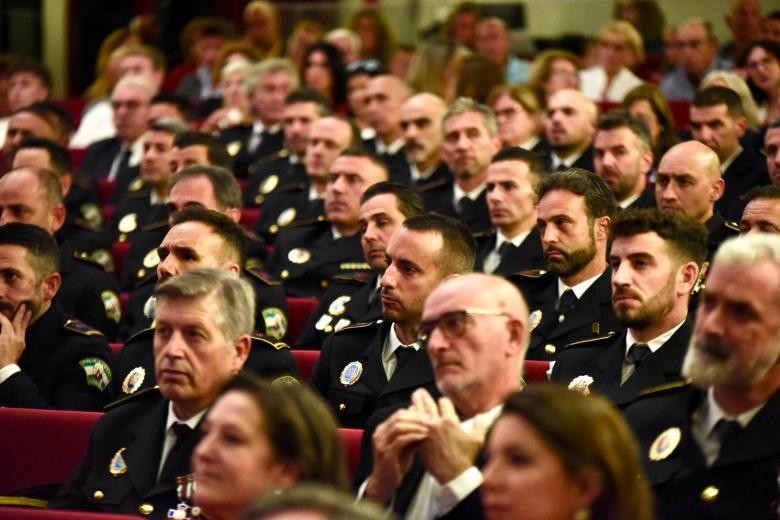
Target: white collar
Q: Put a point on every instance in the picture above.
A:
(557, 161)
(192, 422)
(725, 164)
(529, 145)
(393, 343)
(578, 289)
(627, 202)
(313, 195)
(391, 148)
(501, 238)
(655, 343)
(473, 194)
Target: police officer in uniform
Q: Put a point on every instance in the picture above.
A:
(572, 300)
(367, 366)
(139, 448)
(421, 117)
(384, 207)
(710, 450)
(284, 167)
(308, 255)
(34, 196)
(514, 244)
(655, 259)
(47, 358)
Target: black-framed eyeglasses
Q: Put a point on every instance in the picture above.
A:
(453, 324)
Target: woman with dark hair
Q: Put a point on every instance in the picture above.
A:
(376, 37)
(556, 454)
(323, 71)
(761, 60)
(646, 102)
(259, 437)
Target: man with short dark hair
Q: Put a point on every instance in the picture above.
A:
(571, 301)
(143, 443)
(367, 366)
(772, 151)
(421, 118)
(570, 126)
(31, 121)
(762, 210)
(47, 359)
(718, 120)
(384, 94)
(28, 82)
(514, 245)
(190, 148)
(383, 209)
(655, 259)
(709, 449)
(623, 157)
(200, 238)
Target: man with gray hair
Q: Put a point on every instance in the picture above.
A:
(710, 449)
(201, 340)
(470, 141)
(267, 84)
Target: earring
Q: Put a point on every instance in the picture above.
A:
(582, 514)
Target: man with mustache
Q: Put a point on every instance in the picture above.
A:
(367, 366)
(201, 340)
(572, 300)
(470, 140)
(570, 126)
(710, 450)
(655, 259)
(689, 183)
(310, 253)
(384, 207)
(515, 245)
(421, 117)
(623, 158)
(47, 359)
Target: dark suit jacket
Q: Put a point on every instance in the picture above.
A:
(353, 403)
(592, 316)
(585, 161)
(718, 230)
(138, 427)
(99, 157)
(396, 162)
(404, 176)
(603, 361)
(236, 140)
(284, 206)
(645, 200)
(528, 255)
(438, 197)
(745, 474)
(748, 170)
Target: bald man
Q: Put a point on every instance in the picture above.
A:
(689, 182)
(570, 127)
(421, 117)
(384, 96)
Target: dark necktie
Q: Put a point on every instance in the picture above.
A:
(566, 302)
(503, 249)
(402, 355)
(464, 205)
(561, 168)
(120, 163)
(178, 453)
(726, 430)
(638, 352)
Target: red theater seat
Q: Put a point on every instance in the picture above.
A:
(681, 113)
(75, 107)
(77, 156)
(105, 190)
(249, 217)
(306, 360)
(41, 447)
(351, 439)
(299, 310)
(121, 250)
(535, 371)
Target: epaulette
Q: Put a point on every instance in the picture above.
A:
(85, 224)
(87, 258)
(699, 285)
(140, 194)
(611, 334)
(308, 222)
(361, 325)
(279, 154)
(250, 235)
(139, 334)
(146, 393)
(664, 388)
(152, 276)
(432, 185)
(731, 225)
(479, 235)
(349, 279)
(257, 274)
(155, 225)
(81, 328)
(277, 345)
(293, 186)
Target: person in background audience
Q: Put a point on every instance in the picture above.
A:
(347, 42)
(744, 19)
(376, 34)
(262, 27)
(761, 59)
(28, 82)
(493, 40)
(620, 49)
(570, 127)
(205, 36)
(772, 26)
(312, 499)
(235, 109)
(384, 96)
(323, 71)
(553, 70)
(648, 104)
(519, 118)
(461, 24)
(762, 210)
(583, 461)
(421, 118)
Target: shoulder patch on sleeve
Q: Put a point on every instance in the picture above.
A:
(263, 340)
(139, 334)
(87, 258)
(97, 371)
(81, 328)
(731, 225)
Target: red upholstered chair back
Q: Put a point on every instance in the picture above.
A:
(306, 360)
(535, 371)
(299, 310)
(351, 438)
(41, 447)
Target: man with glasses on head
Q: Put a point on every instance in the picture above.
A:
(424, 459)
(368, 366)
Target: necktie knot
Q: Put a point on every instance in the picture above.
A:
(726, 429)
(638, 352)
(403, 353)
(567, 300)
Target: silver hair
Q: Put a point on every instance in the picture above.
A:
(463, 105)
(269, 66)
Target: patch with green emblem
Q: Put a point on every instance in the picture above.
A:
(97, 371)
(275, 322)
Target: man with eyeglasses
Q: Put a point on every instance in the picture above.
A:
(424, 459)
(367, 366)
(698, 48)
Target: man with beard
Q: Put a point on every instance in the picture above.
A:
(470, 141)
(689, 183)
(623, 156)
(572, 300)
(570, 126)
(421, 117)
(655, 260)
(710, 450)
(384, 207)
(368, 366)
